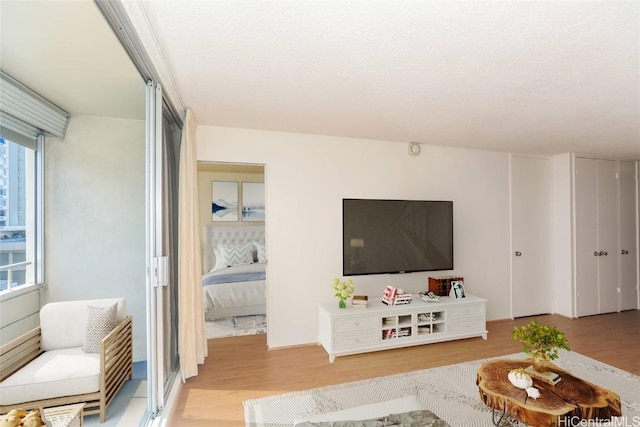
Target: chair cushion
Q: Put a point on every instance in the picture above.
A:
(54, 373)
(64, 324)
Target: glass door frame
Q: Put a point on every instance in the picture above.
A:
(155, 261)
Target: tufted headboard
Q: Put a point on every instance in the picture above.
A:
(215, 234)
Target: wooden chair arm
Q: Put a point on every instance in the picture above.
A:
(17, 353)
(116, 358)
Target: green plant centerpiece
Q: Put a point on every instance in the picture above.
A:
(542, 342)
(342, 289)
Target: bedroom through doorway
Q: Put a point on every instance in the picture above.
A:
(232, 223)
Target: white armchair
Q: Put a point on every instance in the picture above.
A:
(67, 359)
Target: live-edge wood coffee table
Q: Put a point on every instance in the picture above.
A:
(562, 404)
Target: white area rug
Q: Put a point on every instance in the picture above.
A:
(450, 392)
(236, 326)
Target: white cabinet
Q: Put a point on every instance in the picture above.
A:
(628, 236)
(601, 219)
(350, 330)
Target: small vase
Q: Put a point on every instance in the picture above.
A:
(342, 303)
(541, 363)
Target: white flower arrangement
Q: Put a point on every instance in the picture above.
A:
(343, 289)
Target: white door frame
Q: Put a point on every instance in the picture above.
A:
(156, 262)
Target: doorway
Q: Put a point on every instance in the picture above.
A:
(232, 222)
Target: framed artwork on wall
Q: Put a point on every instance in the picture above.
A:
(224, 201)
(253, 201)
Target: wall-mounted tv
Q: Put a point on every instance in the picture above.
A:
(396, 236)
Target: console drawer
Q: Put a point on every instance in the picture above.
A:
(475, 323)
(354, 340)
(359, 323)
(473, 310)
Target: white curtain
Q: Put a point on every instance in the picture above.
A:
(192, 346)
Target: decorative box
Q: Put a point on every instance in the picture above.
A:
(441, 285)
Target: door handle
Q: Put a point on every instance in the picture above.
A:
(625, 252)
(518, 253)
(602, 253)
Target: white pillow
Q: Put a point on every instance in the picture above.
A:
(235, 254)
(219, 265)
(101, 321)
(261, 252)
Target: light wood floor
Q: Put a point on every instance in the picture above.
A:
(242, 368)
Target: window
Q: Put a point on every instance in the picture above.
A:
(25, 119)
(19, 234)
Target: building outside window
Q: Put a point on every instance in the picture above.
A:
(17, 203)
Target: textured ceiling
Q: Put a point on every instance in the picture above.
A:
(535, 77)
(539, 77)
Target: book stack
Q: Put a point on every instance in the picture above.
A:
(547, 377)
(403, 299)
(359, 301)
(396, 333)
(424, 329)
(388, 333)
(426, 317)
(429, 296)
(404, 332)
(389, 296)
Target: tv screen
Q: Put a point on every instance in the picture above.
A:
(396, 236)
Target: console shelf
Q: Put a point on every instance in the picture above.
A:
(344, 331)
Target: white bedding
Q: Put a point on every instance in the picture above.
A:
(239, 298)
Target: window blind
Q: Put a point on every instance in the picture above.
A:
(24, 114)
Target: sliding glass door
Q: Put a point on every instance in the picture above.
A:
(163, 136)
(162, 148)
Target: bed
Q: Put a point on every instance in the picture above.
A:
(234, 261)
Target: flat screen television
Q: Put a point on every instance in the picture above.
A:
(396, 236)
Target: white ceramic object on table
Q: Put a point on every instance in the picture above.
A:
(520, 379)
(533, 392)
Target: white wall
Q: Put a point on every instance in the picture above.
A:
(95, 216)
(307, 176)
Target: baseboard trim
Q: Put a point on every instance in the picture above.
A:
(564, 315)
(285, 347)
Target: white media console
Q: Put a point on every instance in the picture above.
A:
(344, 331)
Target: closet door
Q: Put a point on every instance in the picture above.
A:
(586, 238)
(530, 236)
(608, 295)
(628, 235)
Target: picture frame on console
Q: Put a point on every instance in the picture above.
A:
(457, 289)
